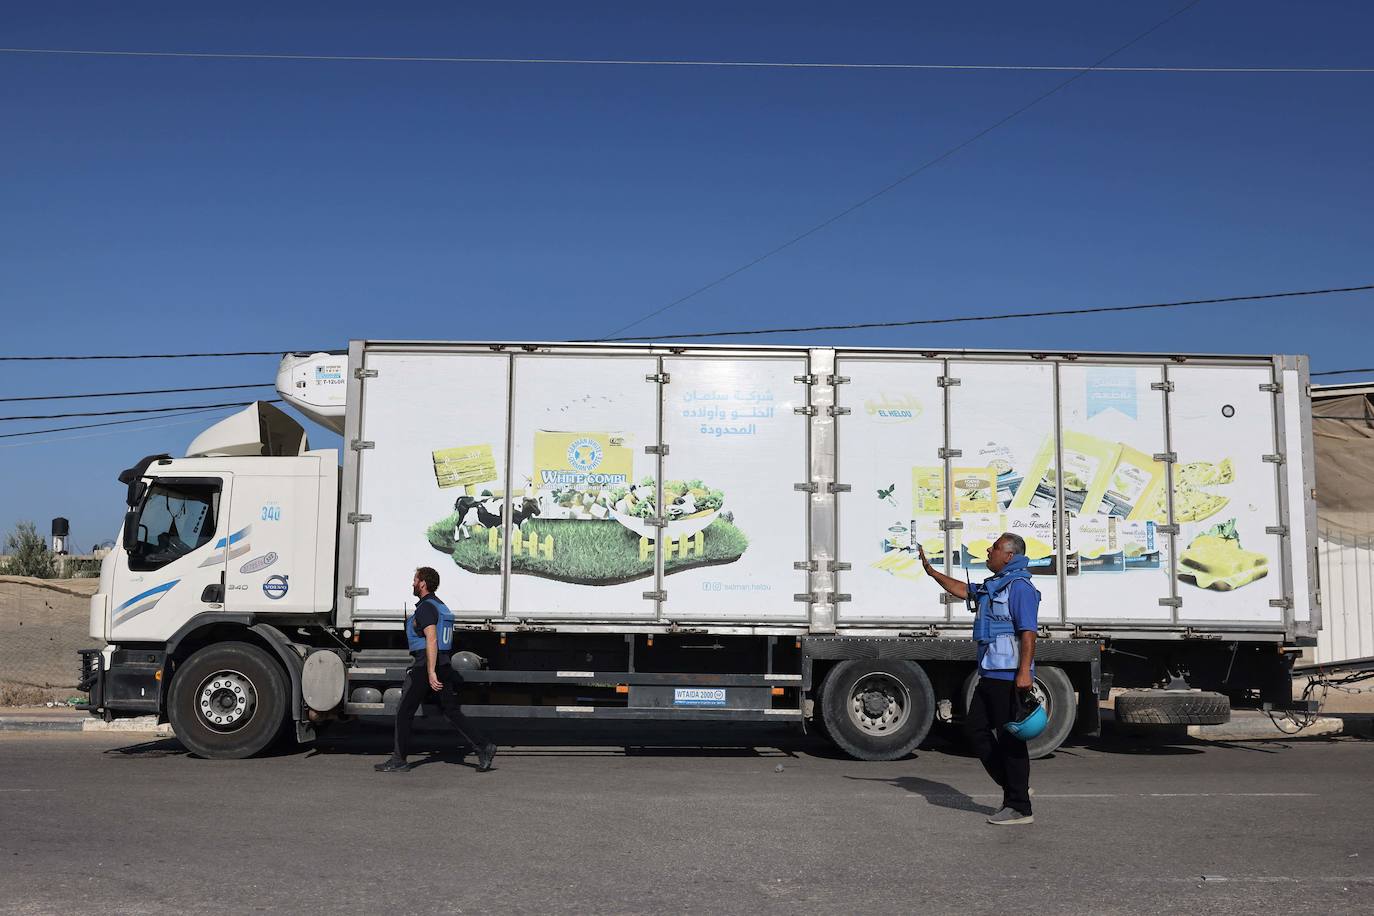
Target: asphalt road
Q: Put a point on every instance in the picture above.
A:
(748, 821)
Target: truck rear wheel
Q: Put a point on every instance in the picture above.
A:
(228, 701)
(1055, 690)
(877, 709)
(1172, 707)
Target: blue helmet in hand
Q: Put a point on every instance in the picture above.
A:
(1031, 720)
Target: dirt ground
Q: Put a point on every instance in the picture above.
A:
(43, 622)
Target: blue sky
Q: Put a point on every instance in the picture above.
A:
(174, 205)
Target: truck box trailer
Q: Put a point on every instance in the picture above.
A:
(718, 533)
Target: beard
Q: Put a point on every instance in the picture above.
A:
(415, 590)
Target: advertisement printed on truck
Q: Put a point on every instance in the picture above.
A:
(719, 533)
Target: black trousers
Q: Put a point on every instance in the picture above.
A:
(416, 690)
(1003, 756)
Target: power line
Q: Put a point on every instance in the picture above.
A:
(16, 359)
(61, 429)
(125, 394)
(115, 413)
(1341, 372)
(1000, 317)
(908, 176)
(622, 62)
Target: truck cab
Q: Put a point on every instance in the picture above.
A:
(229, 544)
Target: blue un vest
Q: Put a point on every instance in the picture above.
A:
(998, 647)
(443, 630)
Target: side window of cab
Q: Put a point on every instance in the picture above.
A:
(176, 518)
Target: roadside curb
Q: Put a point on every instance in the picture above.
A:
(80, 722)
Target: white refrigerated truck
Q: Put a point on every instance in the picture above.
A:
(718, 533)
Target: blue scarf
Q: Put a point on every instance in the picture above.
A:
(1018, 568)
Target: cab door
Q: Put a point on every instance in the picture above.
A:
(173, 566)
(273, 568)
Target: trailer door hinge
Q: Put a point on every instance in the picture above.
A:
(836, 411)
(359, 444)
(947, 598)
(943, 452)
(1285, 603)
(807, 379)
(806, 487)
(1161, 386)
(1275, 387)
(837, 379)
(951, 524)
(661, 378)
(656, 596)
(357, 518)
(353, 591)
(946, 381)
(656, 521)
(1166, 529)
(808, 597)
(839, 566)
(838, 597)
(656, 449)
(1273, 459)
(807, 565)
(364, 373)
(1165, 457)
(808, 411)
(838, 487)
(1171, 602)
(1280, 530)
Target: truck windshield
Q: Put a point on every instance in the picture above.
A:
(176, 518)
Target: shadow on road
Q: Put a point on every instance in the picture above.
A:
(936, 793)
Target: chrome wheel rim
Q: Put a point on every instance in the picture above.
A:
(225, 701)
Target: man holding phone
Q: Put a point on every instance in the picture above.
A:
(1007, 608)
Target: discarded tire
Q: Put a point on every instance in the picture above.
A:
(1173, 707)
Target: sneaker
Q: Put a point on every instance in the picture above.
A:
(392, 766)
(484, 758)
(1009, 816)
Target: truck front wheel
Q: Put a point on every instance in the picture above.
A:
(227, 701)
(877, 709)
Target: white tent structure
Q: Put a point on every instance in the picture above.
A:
(1343, 436)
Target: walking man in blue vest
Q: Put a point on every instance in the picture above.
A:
(429, 634)
(1004, 628)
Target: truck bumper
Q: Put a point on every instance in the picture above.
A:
(129, 684)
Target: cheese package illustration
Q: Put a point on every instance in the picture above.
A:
(1215, 560)
(1036, 528)
(1140, 545)
(975, 491)
(1134, 484)
(1099, 544)
(977, 536)
(1088, 463)
(1003, 463)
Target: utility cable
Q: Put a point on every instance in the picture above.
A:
(623, 62)
(60, 429)
(929, 163)
(1340, 372)
(1001, 317)
(115, 413)
(127, 394)
(15, 359)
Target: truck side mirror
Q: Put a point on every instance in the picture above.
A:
(136, 490)
(130, 529)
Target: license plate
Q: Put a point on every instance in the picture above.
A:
(699, 696)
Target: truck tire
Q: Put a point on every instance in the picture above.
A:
(228, 701)
(877, 709)
(1056, 691)
(1172, 707)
